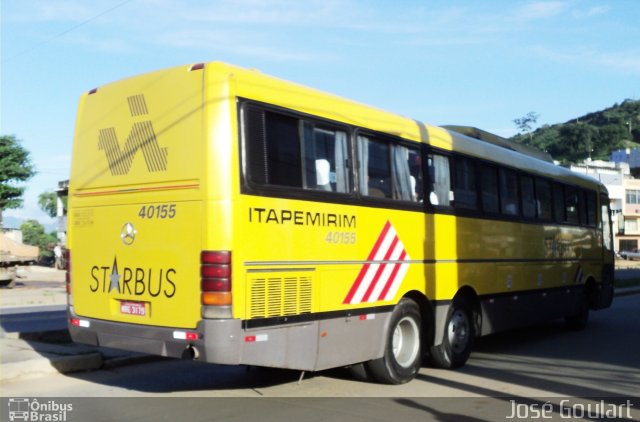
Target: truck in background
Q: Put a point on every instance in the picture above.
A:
(12, 255)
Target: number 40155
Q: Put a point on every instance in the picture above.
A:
(158, 211)
(341, 238)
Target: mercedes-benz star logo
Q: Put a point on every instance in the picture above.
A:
(128, 234)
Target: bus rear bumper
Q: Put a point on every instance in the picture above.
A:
(308, 346)
(215, 341)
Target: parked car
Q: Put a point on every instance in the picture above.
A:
(632, 254)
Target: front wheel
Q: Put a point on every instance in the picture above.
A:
(458, 337)
(578, 320)
(403, 351)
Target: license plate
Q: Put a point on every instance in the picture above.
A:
(133, 308)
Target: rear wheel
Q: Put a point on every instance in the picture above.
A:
(403, 351)
(458, 337)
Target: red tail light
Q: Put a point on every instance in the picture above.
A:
(215, 271)
(215, 285)
(215, 257)
(215, 281)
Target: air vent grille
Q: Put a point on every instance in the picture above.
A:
(276, 296)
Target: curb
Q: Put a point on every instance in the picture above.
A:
(32, 355)
(626, 291)
(48, 364)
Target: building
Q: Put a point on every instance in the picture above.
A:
(631, 156)
(624, 196)
(629, 219)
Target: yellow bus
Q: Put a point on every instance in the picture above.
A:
(219, 214)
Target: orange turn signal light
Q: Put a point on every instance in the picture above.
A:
(216, 298)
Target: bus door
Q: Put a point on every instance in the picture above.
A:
(605, 294)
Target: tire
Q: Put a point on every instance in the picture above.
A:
(579, 320)
(403, 349)
(458, 337)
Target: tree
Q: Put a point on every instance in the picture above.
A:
(48, 202)
(576, 142)
(526, 122)
(610, 137)
(33, 234)
(15, 167)
(595, 134)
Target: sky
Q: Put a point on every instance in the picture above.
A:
(474, 63)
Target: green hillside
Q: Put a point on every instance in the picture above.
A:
(600, 132)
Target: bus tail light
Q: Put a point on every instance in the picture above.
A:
(215, 284)
(77, 322)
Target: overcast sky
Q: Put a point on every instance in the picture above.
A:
(476, 63)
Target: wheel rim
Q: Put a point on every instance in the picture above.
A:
(458, 331)
(406, 342)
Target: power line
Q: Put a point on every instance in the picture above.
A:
(66, 31)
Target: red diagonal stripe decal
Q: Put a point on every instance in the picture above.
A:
(365, 267)
(381, 268)
(393, 275)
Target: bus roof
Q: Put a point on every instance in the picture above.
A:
(255, 85)
(494, 139)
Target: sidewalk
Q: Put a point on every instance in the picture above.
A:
(38, 354)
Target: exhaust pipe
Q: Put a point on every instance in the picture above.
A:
(190, 353)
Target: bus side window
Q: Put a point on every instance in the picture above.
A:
(407, 173)
(465, 191)
(509, 192)
(273, 148)
(582, 207)
(417, 177)
(558, 203)
(439, 180)
(374, 167)
(287, 151)
(543, 199)
(592, 209)
(326, 159)
(528, 197)
(489, 189)
(282, 151)
(571, 204)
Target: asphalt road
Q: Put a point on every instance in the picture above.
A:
(630, 272)
(32, 319)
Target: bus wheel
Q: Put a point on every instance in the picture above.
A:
(402, 355)
(579, 320)
(458, 337)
